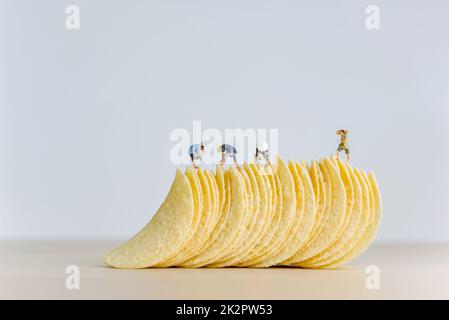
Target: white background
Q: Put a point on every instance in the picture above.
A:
(85, 116)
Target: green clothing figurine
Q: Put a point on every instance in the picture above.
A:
(343, 143)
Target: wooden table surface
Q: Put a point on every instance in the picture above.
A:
(37, 270)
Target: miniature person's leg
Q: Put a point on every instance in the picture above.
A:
(235, 158)
(267, 158)
(223, 158)
(193, 161)
(340, 148)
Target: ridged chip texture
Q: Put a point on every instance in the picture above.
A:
(317, 215)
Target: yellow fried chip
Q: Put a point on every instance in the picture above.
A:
(354, 208)
(235, 221)
(320, 215)
(197, 212)
(373, 225)
(288, 213)
(336, 214)
(264, 217)
(199, 236)
(219, 178)
(250, 233)
(154, 243)
(261, 215)
(211, 220)
(305, 214)
(275, 218)
(223, 183)
(268, 183)
(320, 200)
(218, 185)
(320, 205)
(213, 214)
(245, 226)
(361, 227)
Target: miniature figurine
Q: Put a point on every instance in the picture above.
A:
(227, 150)
(262, 152)
(343, 143)
(196, 152)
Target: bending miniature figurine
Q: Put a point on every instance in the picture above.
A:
(262, 152)
(196, 153)
(227, 150)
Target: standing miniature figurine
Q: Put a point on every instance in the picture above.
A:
(227, 150)
(196, 153)
(343, 143)
(262, 152)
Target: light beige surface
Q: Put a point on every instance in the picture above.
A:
(33, 269)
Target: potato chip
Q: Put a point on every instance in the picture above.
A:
(261, 213)
(265, 214)
(336, 213)
(245, 226)
(320, 202)
(288, 213)
(354, 208)
(269, 184)
(209, 217)
(164, 235)
(217, 203)
(323, 212)
(197, 212)
(320, 215)
(210, 185)
(275, 217)
(371, 230)
(255, 219)
(361, 227)
(215, 211)
(320, 205)
(235, 220)
(219, 178)
(344, 175)
(305, 216)
(223, 183)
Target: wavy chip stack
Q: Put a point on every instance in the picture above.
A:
(317, 215)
